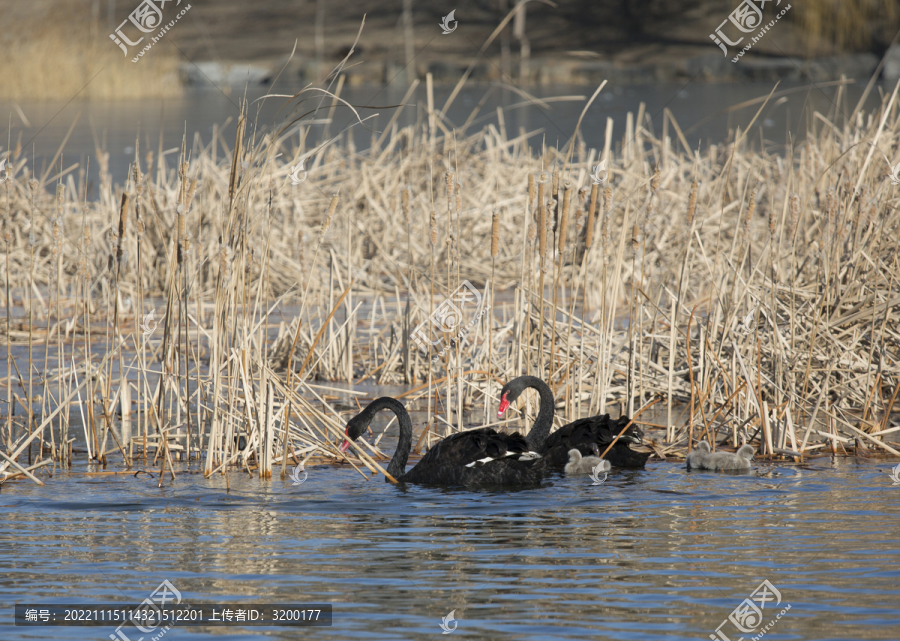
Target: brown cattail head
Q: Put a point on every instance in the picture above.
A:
(449, 180)
(635, 237)
(654, 181)
(592, 212)
(563, 226)
(751, 209)
(123, 220)
(607, 201)
(771, 223)
(794, 207)
(541, 184)
(326, 222)
(532, 232)
(404, 202)
(495, 233)
(531, 192)
(692, 204)
(434, 229)
(190, 196)
(542, 229)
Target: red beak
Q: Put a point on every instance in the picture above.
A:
(346, 442)
(504, 404)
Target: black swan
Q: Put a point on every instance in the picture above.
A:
(579, 464)
(480, 457)
(580, 434)
(703, 459)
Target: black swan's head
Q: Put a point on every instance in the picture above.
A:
(355, 428)
(633, 434)
(514, 388)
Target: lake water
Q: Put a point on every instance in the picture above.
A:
(702, 110)
(657, 553)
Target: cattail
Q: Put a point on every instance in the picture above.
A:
(434, 230)
(532, 232)
(607, 200)
(404, 202)
(554, 191)
(635, 237)
(190, 196)
(567, 197)
(541, 184)
(794, 206)
(592, 212)
(531, 192)
(449, 179)
(458, 198)
(225, 258)
(654, 181)
(495, 233)
(542, 228)
(692, 204)
(326, 222)
(751, 208)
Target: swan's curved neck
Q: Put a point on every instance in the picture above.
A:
(544, 421)
(397, 465)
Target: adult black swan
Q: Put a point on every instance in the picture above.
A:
(476, 458)
(581, 434)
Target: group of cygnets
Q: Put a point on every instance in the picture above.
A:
(701, 458)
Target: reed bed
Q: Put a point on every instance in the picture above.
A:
(752, 295)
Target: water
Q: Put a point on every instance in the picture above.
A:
(651, 554)
(702, 110)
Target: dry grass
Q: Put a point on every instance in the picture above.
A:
(761, 290)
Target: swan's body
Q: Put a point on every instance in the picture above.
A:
(480, 457)
(579, 464)
(581, 434)
(702, 459)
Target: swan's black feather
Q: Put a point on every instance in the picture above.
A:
(448, 461)
(477, 458)
(600, 430)
(581, 434)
